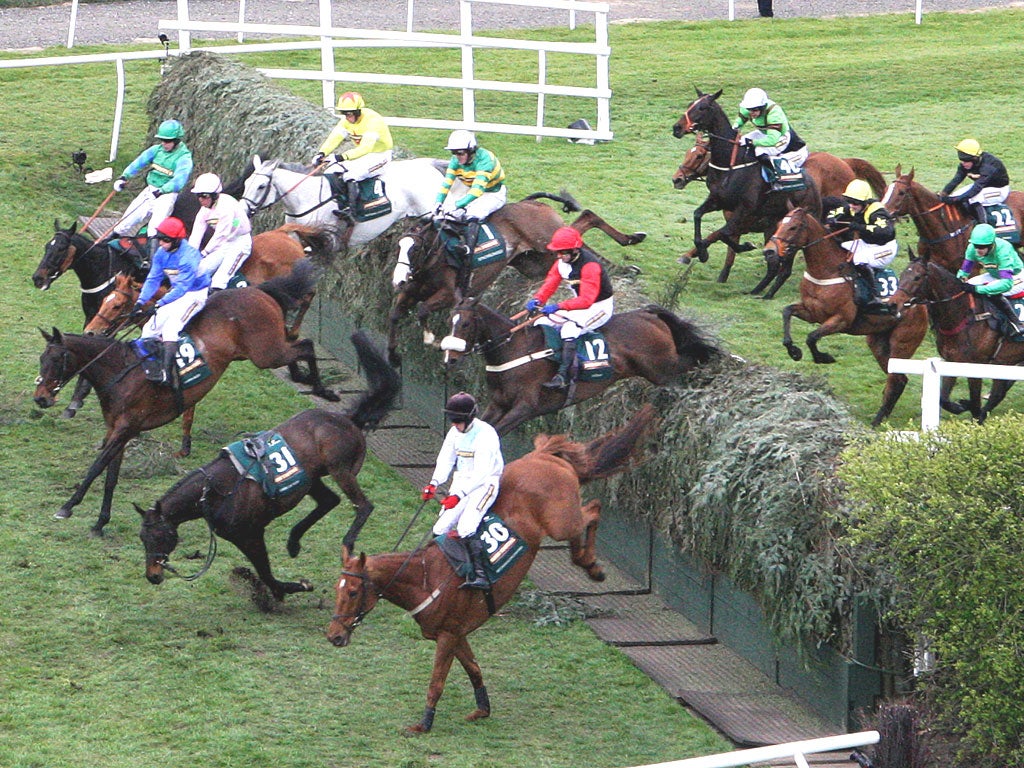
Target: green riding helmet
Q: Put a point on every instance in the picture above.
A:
(983, 234)
(171, 130)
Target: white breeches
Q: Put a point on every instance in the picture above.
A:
(143, 207)
(988, 195)
(362, 167)
(480, 208)
(876, 256)
(572, 322)
(171, 318)
(222, 263)
(1014, 291)
(465, 516)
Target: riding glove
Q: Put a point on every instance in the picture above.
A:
(969, 288)
(449, 502)
(139, 312)
(533, 305)
(157, 193)
(318, 158)
(429, 492)
(119, 183)
(550, 309)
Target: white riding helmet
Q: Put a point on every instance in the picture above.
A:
(754, 98)
(461, 139)
(208, 184)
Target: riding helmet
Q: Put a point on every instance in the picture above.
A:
(754, 98)
(565, 239)
(968, 149)
(172, 227)
(170, 130)
(461, 407)
(350, 101)
(208, 184)
(461, 139)
(983, 234)
(858, 191)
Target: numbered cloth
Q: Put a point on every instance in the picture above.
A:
(192, 367)
(502, 547)
(267, 459)
(592, 353)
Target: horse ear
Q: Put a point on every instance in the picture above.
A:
(56, 225)
(899, 169)
(699, 91)
(256, 162)
(789, 204)
(139, 509)
(717, 94)
(910, 175)
(47, 336)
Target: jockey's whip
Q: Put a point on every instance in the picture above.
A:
(102, 206)
(408, 528)
(528, 321)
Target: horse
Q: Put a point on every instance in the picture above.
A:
(411, 185)
(236, 507)
(735, 184)
(246, 323)
(826, 300)
(831, 173)
(425, 275)
(539, 496)
(962, 334)
(943, 229)
(650, 342)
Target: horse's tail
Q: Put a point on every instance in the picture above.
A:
(862, 169)
(604, 456)
(316, 240)
(690, 342)
(385, 384)
(288, 290)
(569, 204)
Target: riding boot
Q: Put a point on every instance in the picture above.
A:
(353, 197)
(1004, 305)
(866, 295)
(979, 213)
(466, 248)
(561, 379)
(170, 351)
(475, 551)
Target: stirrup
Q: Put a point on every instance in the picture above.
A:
(477, 582)
(461, 250)
(557, 382)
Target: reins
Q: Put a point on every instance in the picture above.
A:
(261, 204)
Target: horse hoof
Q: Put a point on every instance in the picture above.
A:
(294, 548)
(63, 514)
(744, 247)
(477, 714)
(637, 237)
(305, 585)
(96, 532)
(824, 359)
(328, 395)
(68, 413)
(595, 573)
(684, 259)
(415, 730)
(795, 352)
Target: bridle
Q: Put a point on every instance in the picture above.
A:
(258, 205)
(109, 328)
(692, 126)
(914, 215)
(361, 609)
(787, 243)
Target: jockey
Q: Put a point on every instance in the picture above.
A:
(231, 241)
(177, 261)
(473, 448)
(771, 135)
(473, 188)
(170, 165)
(590, 307)
(371, 153)
(990, 181)
(1002, 274)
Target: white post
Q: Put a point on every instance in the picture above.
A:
(732, 10)
(71, 26)
(408, 16)
(604, 115)
(241, 19)
(466, 30)
(326, 55)
(542, 73)
(115, 134)
(931, 387)
(775, 752)
(917, 14)
(184, 36)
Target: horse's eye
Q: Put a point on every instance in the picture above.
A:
(39, 380)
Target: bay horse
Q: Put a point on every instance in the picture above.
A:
(735, 184)
(943, 229)
(650, 342)
(245, 323)
(411, 185)
(826, 300)
(831, 173)
(425, 278)
(236, 508)
(962, 333)
(539, 496)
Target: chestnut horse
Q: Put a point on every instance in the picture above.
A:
(826, 300)
(539, 496)
(962, 333)
(425, 276)
(246, 323)
(831, 173)
(237, 509)
(735, 184)
(650, 342)
(942, 229)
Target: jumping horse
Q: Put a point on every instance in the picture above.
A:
(650, 342)
(246, 323)
(831, 173)
(425, 277)
(539, 496)
(735, 184)
(237, 508)
(963, 334)
(826, 300)
(411, 186)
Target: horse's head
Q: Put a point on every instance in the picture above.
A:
(56, 368)
(355, 596)
(115, 306)
(260, 191)
(159, 538)
(900, 196)
(701, 115)
(57, 258)
(466, 331)
(791, 234)
(695, 163)
(419, 247)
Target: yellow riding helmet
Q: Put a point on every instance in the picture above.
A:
(858, 190)
(969, 147)
(350, 101)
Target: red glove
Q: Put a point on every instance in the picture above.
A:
(429, 492)
(449, 502)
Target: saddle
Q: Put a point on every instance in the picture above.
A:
(870, 285)
(192, 367)
(490, 245)
(371, 202)
(502, 548)
(593, 355)
(266, 458)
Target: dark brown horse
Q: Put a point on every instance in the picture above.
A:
(735, 184)
(247, 323)
(650, 342)
(832, 174)
(426, 279)
(237, 509)
(540, 496)
(962, 331)
(826, 300)
(942, 229)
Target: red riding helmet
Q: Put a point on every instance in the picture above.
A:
(172, 227)
(565, 239)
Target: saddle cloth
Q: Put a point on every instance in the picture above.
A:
(192, 368)
(502, 546)
(490, 245)
(1004, 222)
(593, 356)
(372, 202)
(267, 459)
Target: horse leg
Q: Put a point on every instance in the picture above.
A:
(187, 418)
(304, 350)
(82, 389)
(944, 402)
(590, 220)
(581, 548)
(730, 258)
(795, 352)
(109, 484)
(483, 702)
(782, 273)
(363, 506)
(251, 544)
(444, 653)
(112, 448)
(326, 500)
(995, 397)
(974, 403)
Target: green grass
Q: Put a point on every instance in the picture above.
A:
(100, 668)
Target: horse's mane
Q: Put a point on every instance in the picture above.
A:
(288, 289)
(603, 456)
(290, 166)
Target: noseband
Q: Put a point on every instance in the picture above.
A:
(361, 610)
